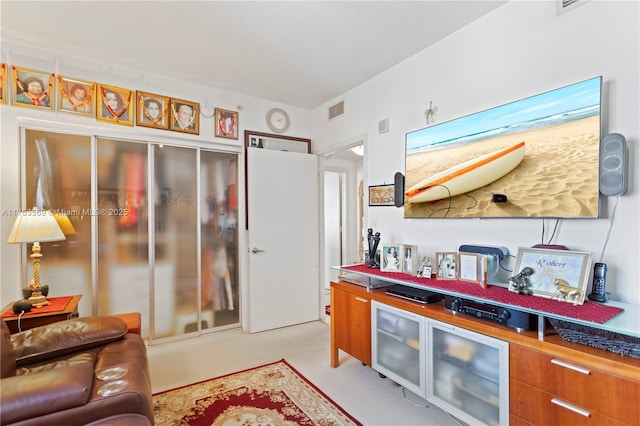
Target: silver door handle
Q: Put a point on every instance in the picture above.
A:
(256, 250)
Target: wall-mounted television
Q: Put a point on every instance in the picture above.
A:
(535, 157)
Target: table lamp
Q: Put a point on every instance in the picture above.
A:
(36, 226)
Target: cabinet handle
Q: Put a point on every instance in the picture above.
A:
(571, 407)
(570, 366)
(360, 299)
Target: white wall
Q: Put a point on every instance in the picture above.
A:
(251, 117)
(519, 50)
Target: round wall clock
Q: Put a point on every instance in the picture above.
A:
(278, 120)
(206, 110)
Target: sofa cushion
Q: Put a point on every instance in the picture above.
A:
(45, 392)
(8, 361)
(60, 338)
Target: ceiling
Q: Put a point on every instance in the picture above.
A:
(300, 53)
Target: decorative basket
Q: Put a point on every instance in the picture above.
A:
(597, 338)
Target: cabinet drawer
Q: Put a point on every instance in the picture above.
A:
(575, 382)
(542, 408)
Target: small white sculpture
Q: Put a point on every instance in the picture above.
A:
(430, 114)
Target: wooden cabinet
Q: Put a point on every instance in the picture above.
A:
(551, 382)
(350, 324)
(550, 389)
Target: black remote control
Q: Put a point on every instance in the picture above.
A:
(599, 279)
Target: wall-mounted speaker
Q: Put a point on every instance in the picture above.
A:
(613, 165)
(398, 189)
(383, 126)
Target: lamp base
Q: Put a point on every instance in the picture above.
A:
(38, 300)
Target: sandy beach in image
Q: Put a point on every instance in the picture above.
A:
(558, 176)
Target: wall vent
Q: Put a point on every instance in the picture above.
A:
(567, 5)
(336, 110)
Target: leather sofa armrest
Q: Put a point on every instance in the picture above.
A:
(45, 392)
(64, 337)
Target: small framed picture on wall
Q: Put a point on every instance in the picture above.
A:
(3, 83)
(184, 116)
(153, 110)
(32, 89)
(381, 195)
(76, 96)
(115, 105)
(226, 123)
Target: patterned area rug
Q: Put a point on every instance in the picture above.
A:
(273, 394)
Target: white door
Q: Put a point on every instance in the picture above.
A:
(283, 222)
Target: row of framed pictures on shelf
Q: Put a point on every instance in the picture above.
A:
(460, 266)
(561, 275)
(110, 104)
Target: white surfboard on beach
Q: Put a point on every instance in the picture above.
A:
(467, 176)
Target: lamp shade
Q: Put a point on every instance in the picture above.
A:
(35, 226)
(65, 223)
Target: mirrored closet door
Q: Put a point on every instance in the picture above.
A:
(153, 228)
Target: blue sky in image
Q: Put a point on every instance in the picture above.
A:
(568, 98)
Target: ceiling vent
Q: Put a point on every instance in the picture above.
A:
(336, 110)
(567, 5)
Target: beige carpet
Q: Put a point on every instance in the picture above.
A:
(272, 394)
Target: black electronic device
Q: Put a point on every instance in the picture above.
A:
(414, 294)
(398, 189)
(497, 314)
(22, 306)
(599, 280)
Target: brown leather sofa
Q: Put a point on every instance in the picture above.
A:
(50, 374)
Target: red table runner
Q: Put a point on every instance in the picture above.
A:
(589, 311)
(56, 304)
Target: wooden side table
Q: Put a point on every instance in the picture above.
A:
(34, 319)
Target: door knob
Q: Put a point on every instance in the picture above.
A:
(256, 250)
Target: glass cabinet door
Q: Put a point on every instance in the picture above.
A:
(398, 346)
(469, 374)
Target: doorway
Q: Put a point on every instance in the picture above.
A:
(343, 211)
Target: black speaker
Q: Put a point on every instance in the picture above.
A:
(613, 165)
(398, 189)
(22, 306)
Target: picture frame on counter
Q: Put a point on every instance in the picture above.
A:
(472, 268)
(410, 259)
(447, 265)
(391, 260)
(555, 274)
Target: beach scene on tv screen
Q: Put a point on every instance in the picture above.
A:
(536, 157)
